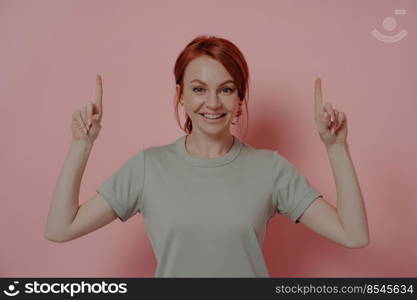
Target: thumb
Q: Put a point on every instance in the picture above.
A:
(96, 117)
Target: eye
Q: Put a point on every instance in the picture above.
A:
(199, 89)
(228, 89)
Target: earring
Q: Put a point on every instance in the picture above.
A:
(237, 115)
(182, 104)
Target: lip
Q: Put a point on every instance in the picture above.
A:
(213, 120)
(212, 113)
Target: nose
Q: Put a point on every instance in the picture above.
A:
(213, 101)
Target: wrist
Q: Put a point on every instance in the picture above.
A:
(337, 147)
(82, 143)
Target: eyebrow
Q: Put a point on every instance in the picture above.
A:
(198, 80)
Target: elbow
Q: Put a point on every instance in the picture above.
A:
(54, 237)
(361, 241)
(358, 244)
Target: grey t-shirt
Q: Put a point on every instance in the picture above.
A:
(206, 217)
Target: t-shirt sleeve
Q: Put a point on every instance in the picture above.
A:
(292, 193)
(123, 189)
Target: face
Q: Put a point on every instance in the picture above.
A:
(209, 89)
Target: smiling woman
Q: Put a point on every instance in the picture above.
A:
(213, 71)
(207, 197)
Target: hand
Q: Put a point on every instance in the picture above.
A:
(331, 124)
(86, 121)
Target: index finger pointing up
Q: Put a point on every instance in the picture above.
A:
(99, 94)
(318, 96)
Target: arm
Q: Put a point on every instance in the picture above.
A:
(350, 205)
(66, 219)
(64, 204)
(348, 223)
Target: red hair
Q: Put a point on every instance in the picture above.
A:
(221, 50)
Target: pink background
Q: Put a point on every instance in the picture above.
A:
(51, 51)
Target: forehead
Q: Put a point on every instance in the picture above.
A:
(206, 69)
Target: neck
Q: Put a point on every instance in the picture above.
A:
(204, 146)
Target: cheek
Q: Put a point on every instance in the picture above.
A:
(233, 105)
(193, 100)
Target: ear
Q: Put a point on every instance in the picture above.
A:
(178, 89)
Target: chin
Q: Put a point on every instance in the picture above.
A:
(213, 130)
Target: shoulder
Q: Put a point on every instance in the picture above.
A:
(269, 158)
(159, 151)
(258, 155)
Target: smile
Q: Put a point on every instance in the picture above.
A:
(212, 118)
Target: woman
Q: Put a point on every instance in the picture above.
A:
(207, 197)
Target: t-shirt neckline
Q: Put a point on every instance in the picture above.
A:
(208, 162)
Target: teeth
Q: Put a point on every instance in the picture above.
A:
(212, 116)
